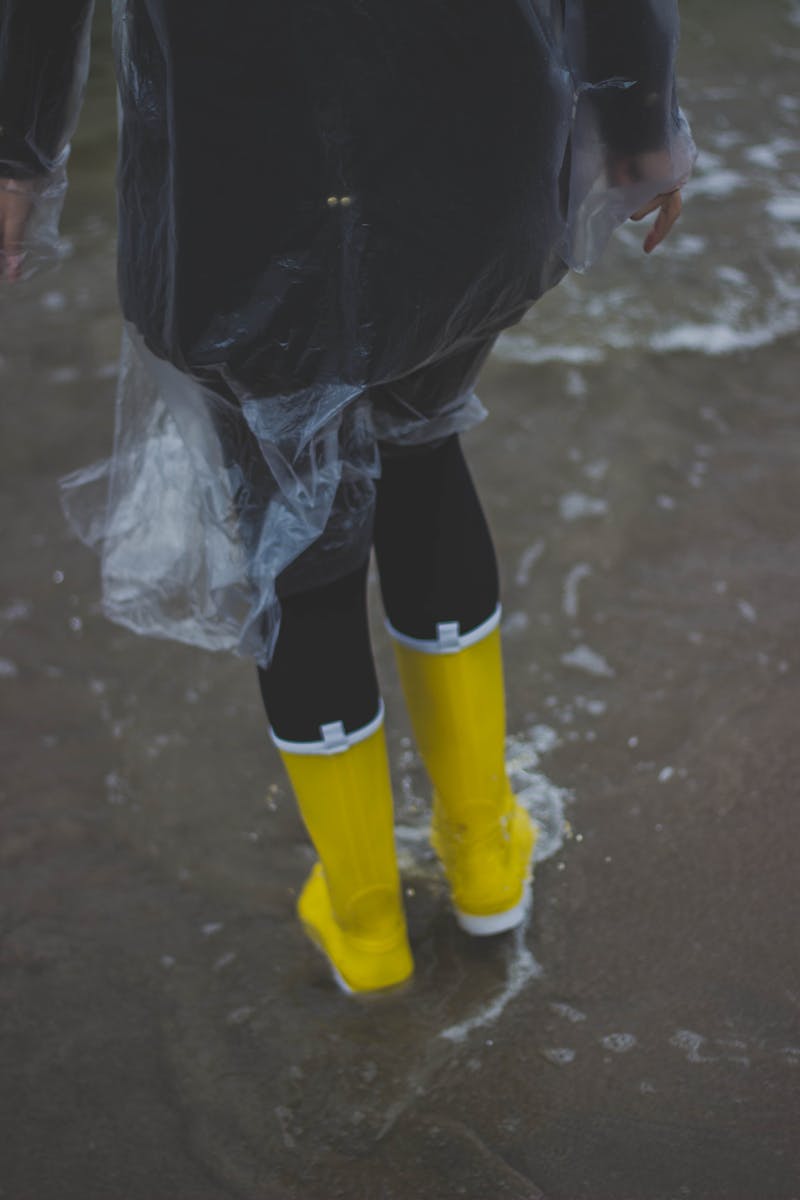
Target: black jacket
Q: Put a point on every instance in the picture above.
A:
(325, 190)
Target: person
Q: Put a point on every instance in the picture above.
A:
(327, 214)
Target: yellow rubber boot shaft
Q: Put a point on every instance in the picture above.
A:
(483, 837)
(351, 904)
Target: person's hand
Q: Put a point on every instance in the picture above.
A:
(669, 205)
(16, 202)
(655, 165)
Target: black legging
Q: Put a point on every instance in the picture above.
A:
(436, 563)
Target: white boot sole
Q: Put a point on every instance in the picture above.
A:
(496, 922)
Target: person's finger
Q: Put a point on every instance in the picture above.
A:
(656, 202)
(668, 215)
(670, 211)
(641, 213)
(655, 234)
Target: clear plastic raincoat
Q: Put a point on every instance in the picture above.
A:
(322, 203)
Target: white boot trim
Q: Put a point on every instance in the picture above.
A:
(449, 638)
(334, 738)
(496, 922)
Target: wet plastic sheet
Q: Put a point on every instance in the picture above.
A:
(323, 206)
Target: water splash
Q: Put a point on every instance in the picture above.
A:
(522, 968)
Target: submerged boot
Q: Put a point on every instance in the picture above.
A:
(483, 837)
(351, 904)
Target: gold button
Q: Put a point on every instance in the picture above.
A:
(333, 201)
(345, 201)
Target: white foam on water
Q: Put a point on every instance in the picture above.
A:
(411, 834)
(568, 1012)
(596, 470)
(739, 317)
(723, 139)
(560, 1056)
(583, 658)
(734, 1051)
(732, 275)
(527, 561)
(574, 506)
(747, 611)
(707, 161)
(770, 154)
(691, 1043)
(542, 739)
(612, 301)
(618, 1043)
(523, 967)
(8, 669)
(515, 624)
(572, 581)
(784, 208)
(522, 348)
(716, 183)
(688, 245)
(719, 337)
(790, 238)
(53, 301)
(749, 302)
(283, 1116)
(575, 383)
(543, 799)
(696, 1048)
(224, 960)
(117, 789)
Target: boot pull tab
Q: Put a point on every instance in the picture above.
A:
(334, 737)
(448, 635)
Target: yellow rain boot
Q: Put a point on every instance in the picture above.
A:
(351, 904)
(483, 837)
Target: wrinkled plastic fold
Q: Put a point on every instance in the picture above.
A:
(328, 210)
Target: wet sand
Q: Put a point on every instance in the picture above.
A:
(167, 1032)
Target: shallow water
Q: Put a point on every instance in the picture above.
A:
(167, 1030)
